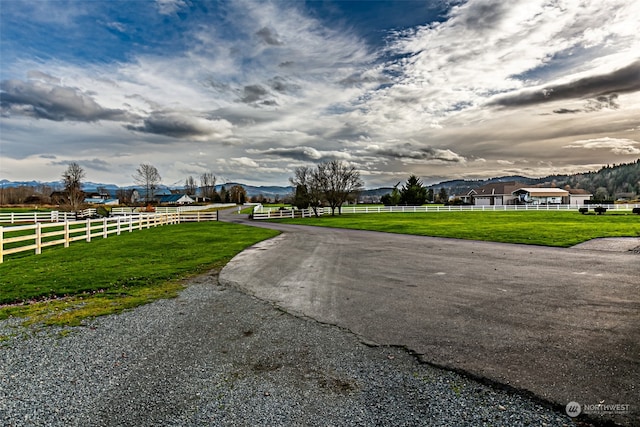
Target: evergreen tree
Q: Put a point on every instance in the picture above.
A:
(443, 197)
(393, 198)
(413, 193)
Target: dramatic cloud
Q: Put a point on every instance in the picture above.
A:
(603, 88)
(44, 100)
(180, 125)
(269, 36)
(303, 153)
(410, 151)
(253, 93)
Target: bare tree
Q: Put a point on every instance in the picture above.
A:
(309, 192)
(208, 185)
(237, 194)
(122, 194)
(72, 182)
(333, 182)
(148, 176)
(190, 186)
(339, 181)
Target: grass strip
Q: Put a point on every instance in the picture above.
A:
(66, 285)
(546, 228)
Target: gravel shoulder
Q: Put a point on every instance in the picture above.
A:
(612, 244)
(216, 356)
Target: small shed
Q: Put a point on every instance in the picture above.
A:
(577, 196)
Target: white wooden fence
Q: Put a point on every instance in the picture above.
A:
(172, 209)
(38, 235)
(52, 216)
(58, 216)
(260, 212)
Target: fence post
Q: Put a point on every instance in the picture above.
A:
(88, 229)
(104, 228)
(1, 245)
(38, 238)
(66, 234)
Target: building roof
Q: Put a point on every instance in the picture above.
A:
(174, 198)
(496, 188)
(101, 201)
(578, 191)
(542, 192)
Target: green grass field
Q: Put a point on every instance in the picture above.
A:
(67, 285)
(548, 228)
(109, 275)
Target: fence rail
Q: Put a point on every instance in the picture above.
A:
(38, 235)
(51, 216)
(59, 216)
(171, 209)
(260, 212)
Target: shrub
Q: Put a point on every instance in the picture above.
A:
(599, 210)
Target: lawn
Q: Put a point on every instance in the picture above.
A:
(547, 228)
(109, 275)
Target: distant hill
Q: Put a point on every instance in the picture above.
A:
(463, 186)
(611, 182)
(268, 191)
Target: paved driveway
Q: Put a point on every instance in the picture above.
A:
(563, 324)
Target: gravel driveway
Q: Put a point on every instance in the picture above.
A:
(216, 356)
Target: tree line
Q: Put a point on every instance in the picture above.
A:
(609, 183)
(71, 195)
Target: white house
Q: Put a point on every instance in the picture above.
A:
(541, 196)
(177, 199)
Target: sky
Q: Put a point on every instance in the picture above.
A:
(250, 90)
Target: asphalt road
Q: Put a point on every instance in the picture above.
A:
(563, 324)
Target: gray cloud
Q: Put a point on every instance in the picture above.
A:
(480, 15)
(91, 164)
(604, 101)
(282, 85)
(623, 80)
(182, 126)
(52, 102)
(269, 36)
(302, 153)
(360, 78)
(253, 93)
(567, 111)
(408, 151)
